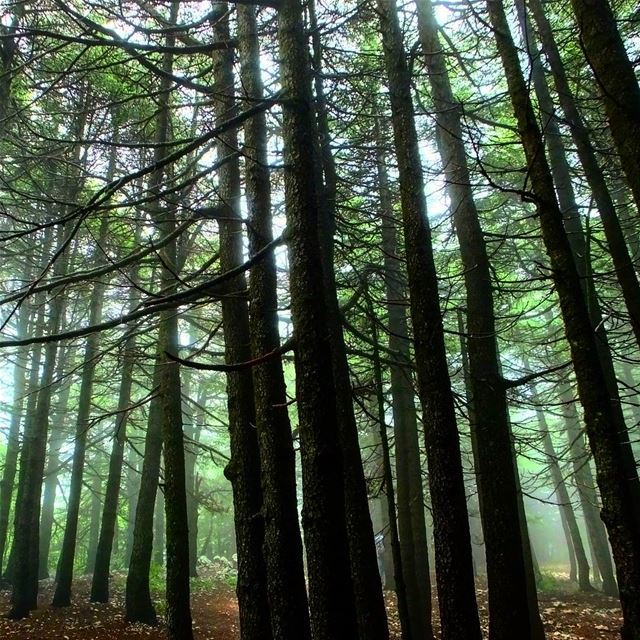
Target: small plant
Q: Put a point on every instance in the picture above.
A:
(547, 582)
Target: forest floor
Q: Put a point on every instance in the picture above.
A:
(567, 615)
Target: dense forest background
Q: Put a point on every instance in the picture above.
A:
(358, 275)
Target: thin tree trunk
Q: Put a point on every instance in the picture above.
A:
(585, 485)
(411, 522)
(573, 563)
(618, 505)
(138, 604)
(622, 261)
(132, 484)
(454, 563)
(561, 174)
(62, 594)
(406, 623)
(56, 440)
(564, 502)
(158, 530)
(100, 580)
(21, 367)
(32, 461)
(94, 513)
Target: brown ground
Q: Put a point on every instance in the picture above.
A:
(567, 615)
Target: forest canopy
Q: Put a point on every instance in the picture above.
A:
(335, 303)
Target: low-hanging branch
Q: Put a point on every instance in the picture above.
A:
(91, 274)
(207, 289)
(289, 345)
(518, 382)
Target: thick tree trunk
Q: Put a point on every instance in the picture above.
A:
(513, 608)
(622, 261)
(411, 522)
(367, 587)
(331, 597)
(286, 591)
(243, 470)
(615, 76)
(561, 174)
(618, 505)
(454, 563)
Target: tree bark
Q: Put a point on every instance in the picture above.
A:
(454, 563)
(367, 586)
(243, 469)
(411, 522)
(618, 505)
(331, 598)
(605, 52)
(282, 546)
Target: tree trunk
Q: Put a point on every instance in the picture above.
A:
(561, 174)
(138, 604)
(25, 569)
(331, 598)
(56, 440)
(21, 367)
(243, 469)
(513, 608)
(367, 586)
(622, 261)
(614, 74)
(62, 594)
(454, 563)
(158, 529)
(618, 505)
(282, 546)
(132, 484)
(585, 485)
(406, 623)
(411, 523)
(100, 580)
(564, 501)
(94, 514)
